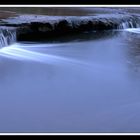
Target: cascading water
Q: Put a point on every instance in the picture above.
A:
(132, 26)
(7, 36)
(129, 24)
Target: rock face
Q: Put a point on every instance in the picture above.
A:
(39, 27)
(36, 30)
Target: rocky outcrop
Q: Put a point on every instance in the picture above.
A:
(38, 27)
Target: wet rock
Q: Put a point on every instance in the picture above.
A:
(31, 27)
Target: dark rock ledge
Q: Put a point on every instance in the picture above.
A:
(38, 27)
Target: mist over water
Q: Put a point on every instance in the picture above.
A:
(72, 85)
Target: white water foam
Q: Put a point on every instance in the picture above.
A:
(133, 30)
(7, 36)
(19, 53)
(129, 24)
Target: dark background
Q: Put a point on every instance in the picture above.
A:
(81, 2)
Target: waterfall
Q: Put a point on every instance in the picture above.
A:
(7, 36)
(129, 24)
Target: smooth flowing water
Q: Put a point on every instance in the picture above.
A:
(89, 83)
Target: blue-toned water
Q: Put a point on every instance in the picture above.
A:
(72, 85)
